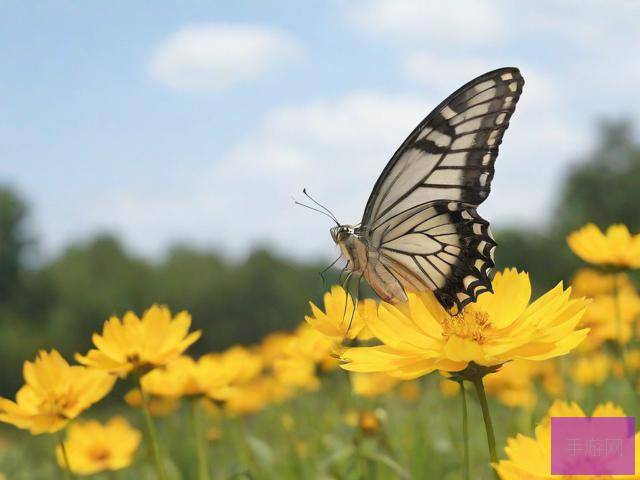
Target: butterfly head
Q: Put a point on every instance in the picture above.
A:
(341, 233)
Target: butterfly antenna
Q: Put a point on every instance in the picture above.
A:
(316, 210)
(304, 190)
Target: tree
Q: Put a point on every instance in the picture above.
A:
(13, 242)
(90, 282)
(604, 186)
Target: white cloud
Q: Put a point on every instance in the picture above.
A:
(334, 148)
(445, 72)
(212, 57)
(480, 21)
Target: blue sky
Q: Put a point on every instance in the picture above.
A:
(197, 121)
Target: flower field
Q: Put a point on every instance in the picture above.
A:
(359, 390)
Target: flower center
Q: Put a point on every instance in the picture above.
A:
(99, 454)
(57, 405)
(468, 324)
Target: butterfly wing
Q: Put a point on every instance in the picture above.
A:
(420, 222)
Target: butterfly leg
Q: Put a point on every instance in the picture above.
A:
(346, 285)
(357, 299)
(324, 280)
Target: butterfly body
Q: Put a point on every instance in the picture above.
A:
(420, 230)
(352, 247)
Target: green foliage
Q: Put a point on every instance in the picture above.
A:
(231, 301)
(603, 187)
(547, 258)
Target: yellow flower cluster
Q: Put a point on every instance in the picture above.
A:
(530, 458)
(514, 384)
(507, 344)
(56, 393)
(614, 308)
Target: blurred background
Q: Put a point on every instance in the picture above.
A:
(150, 150)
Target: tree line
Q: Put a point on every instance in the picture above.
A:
(60, 302)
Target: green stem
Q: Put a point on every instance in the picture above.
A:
(486, 415)
(465, 433)
(617, 314)
(151, 431)
(67, 466)
(622, 349)
(251, 462)
(201, 448)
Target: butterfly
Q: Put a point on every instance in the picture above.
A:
(420, 229)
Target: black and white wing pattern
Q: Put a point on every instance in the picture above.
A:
(420, 222)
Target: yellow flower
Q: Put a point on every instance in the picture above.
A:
(329, 364)
(513, 383)
(241, 364)
(616, 248)
(54, 393)
(338, 321)
(372, 384)
(449, 388)
(140, 344)
(288, 422)
(309, 344)
(272, 347)
(591, 369)
(369, 422)
(367, 311)
(588, 282)
(611, 317)
(296, 372)
(187, 377)
(92, 447)
(420, 336)
(213, 434)
(252, 397)
(410, 391)
(631, 364)
(552, 381)
(530, 458)
(158, 406)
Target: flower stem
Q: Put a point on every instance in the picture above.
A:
(465, 433)
(486, 415)
(201, 448)
(151, 431)
(67, 466)
(622, 349)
